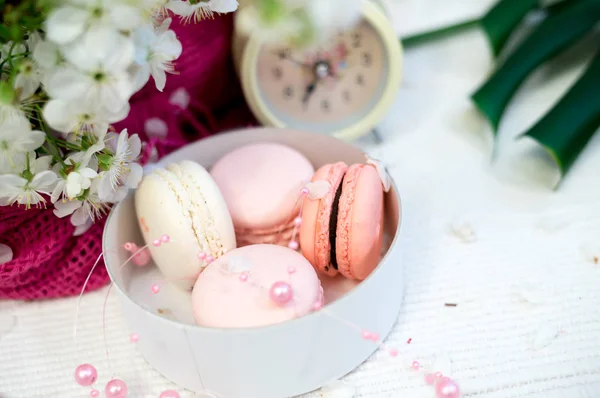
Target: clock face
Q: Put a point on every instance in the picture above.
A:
(327, 88)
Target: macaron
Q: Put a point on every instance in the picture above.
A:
(255, 286)
(182, 203)
(261, 184)
(342, 231)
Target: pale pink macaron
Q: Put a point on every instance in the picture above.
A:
(343, 231)
(255, 286)
(261, 184)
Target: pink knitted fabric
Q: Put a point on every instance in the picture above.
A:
(48, 261)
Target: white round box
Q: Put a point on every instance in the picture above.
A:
(277, 361)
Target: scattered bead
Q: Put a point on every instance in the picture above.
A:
(86, 374)
(142, 258)
(318, 305)
(298, 221)
(165, 238)
(201, 255)
(209, 259)
(409, 340)
(438, 375)
(304, 191)
(430, 379)
(115, 389)
(293, 245)
(375, 336)
(393, 352)
(243, 277)
(169, 394)
(155, 288)
(130, 246)
(156, 242)
(415, 365)
(447, 388)
(281, 293)
(134, 337)
(291, 270)
(366, 335)
(94, 393)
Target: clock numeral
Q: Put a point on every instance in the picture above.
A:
(325, 105)
(367, 59)
(356, 38)
(360, 80)
(283, 53)
(346, 95)
(288, 92)
(277, 73)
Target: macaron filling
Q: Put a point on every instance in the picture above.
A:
(333, 220)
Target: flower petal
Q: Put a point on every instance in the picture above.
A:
(135, 175)
(63, 208)
(65, 24)
(83, 228)
(46, 54)
(386, 181)
(160, 78)
(42, 163)
(224, 6)
(35, 139)
(318, 189)
(80, 217)
(135, 146)
(44, 182)
(60, 116)
(69, 84)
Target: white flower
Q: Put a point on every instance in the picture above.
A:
(77, 117)
(91, 208)
(6, 255)
(16, 139)
(328, 17)
(156, 49)
(79, 181)
(28, 191)
(98, 72)
(123, 173)
(28, 80)
(317, 189)
(201, 9)
(67, 23)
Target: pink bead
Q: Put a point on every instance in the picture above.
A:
(430, 379)
(415, 365)
(393, 352)
(134, 337)
(86, 374)
(304, 191)
(165, 238)
(375, 337)
(155, 288)
(291, 270)
(293, 245)
(447, 388)
(298, 221)
(115, 389)
(438, 375)
(243, 277)
(169, 394)
(142, 258)
(156, 242)
(281, 293)
(201, 255)
(318, 305)
(130, 246)
(94, 393)
(210, 259)
(366, 335)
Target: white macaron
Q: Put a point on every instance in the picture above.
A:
(183, 202)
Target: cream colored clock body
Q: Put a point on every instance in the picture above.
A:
(341, 88)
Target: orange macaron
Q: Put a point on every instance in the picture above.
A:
(342, 231)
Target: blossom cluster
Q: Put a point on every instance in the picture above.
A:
(64, 85)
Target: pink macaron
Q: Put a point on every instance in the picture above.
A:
(343, 230)
(261, 184)
(255, 286)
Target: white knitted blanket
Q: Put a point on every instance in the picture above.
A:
(484, 232)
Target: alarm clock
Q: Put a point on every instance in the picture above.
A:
(342, 87)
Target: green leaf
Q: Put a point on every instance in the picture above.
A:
(547, 40)
(502, 20)
(420, 38)
(570, 124)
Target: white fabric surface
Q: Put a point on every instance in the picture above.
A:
(527, 322)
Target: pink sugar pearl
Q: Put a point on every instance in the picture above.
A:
(210, 259)
(156, 242)
(201, 255)
(86, 374)
(415, 365)
(447, 388)
(281, 293)
(94, 393)
(291, 270)
(169, 394)
(165, 238)
(298, 221)
(393, 352)
(243, 277)
(115, 389)
(134, 337)
(430, 379)
(155, 288)
(293, 245)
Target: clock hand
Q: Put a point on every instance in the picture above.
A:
(310, 89)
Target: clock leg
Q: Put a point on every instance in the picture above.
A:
(376, 136)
